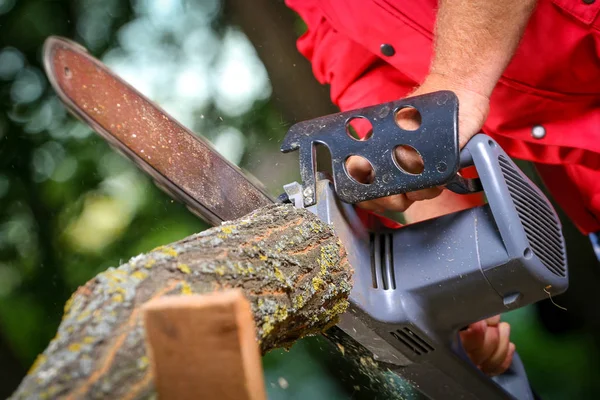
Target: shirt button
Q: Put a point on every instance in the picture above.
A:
(538, 132)
(387, 50)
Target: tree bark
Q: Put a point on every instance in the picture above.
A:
(289, 264)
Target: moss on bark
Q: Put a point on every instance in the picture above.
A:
(289, 264)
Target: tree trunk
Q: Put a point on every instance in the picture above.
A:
(269, 25)
(289, 264)
(11, 367)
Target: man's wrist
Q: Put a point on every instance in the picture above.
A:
(474, 87)
(475, 40)
(472, 98)
(473, 105)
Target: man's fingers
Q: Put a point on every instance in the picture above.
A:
(360, 169)
(493, 321)
(507, 361)
(406, 158)
(493, 363)
(424, 194)
(408, 119)
(398, 203)
(371, 205)
(409, 160)
(488, 345)
(487, 348)
(473, 337)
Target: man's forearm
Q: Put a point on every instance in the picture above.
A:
(474, 42)
(476, 39)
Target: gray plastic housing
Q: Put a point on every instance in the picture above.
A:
(417, 286)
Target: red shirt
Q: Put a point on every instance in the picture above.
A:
(553, 81)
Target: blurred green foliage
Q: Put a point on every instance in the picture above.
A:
(70, 207)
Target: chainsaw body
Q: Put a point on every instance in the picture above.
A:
(415, 287)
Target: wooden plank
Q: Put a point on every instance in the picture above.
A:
(204, 347)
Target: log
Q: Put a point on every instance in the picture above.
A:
(290, 266)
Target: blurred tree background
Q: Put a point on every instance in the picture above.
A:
(71, 207)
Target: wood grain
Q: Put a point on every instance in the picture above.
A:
(204, 347)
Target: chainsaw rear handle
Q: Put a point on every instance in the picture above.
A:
(428, 280)
(535, 213)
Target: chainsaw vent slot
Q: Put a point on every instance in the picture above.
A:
(382, 261)
(540, 224)
(412, 341)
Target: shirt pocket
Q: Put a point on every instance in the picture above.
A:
(584, 11)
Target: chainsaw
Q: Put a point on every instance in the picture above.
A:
(415, 287)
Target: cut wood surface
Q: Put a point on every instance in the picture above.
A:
(204, 347)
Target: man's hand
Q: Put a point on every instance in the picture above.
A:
(474, 40)
(473, 110)
(488, 345)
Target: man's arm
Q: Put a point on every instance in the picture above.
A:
(473, 44)
(474, 41)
